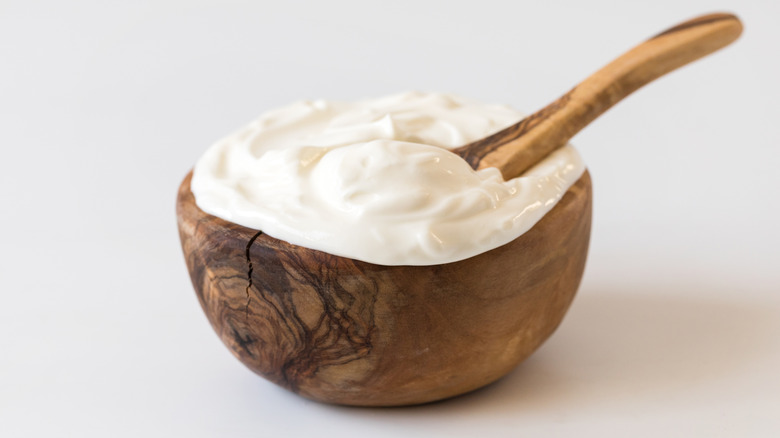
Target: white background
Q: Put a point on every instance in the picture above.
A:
(104, 106)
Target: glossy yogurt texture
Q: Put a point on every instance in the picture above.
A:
(374, 180)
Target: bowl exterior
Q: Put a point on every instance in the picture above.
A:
(343, 331)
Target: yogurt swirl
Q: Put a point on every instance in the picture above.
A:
(374, 180)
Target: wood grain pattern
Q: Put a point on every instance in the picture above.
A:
(344, 331)
(518, 147)
(476, 151)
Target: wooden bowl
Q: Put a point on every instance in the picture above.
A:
(339, 330)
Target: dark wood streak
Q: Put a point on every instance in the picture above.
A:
(474, 152)
(243, 341)
(699, 21)
(342, 332)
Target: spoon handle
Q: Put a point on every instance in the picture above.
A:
(520, 146)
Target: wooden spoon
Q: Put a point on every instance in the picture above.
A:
(520, 146)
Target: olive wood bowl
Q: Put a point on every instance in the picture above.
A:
(344, 331)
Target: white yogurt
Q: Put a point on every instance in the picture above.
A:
(373, 180)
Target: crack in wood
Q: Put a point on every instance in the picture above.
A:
(249, 274)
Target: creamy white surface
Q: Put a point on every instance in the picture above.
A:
(374, 180)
